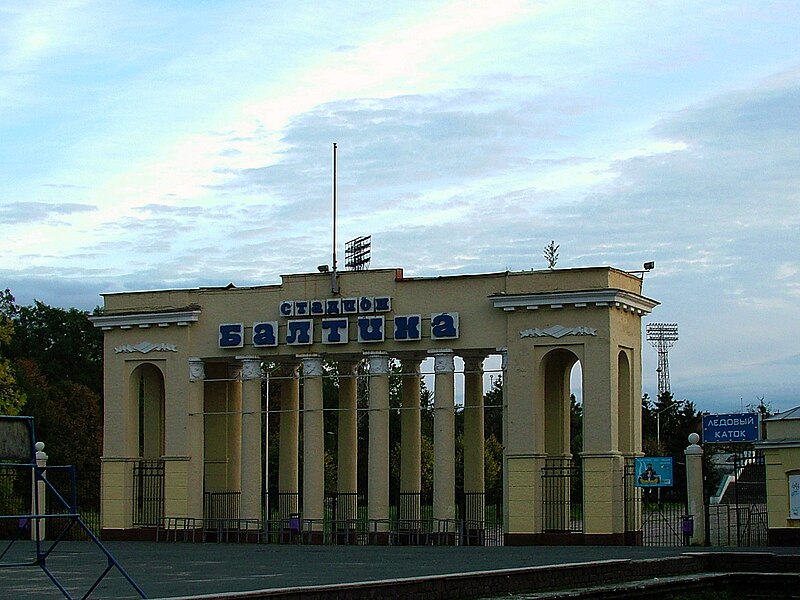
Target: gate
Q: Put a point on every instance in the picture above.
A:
(737, 514)
(148, 493)
(562, 496)
(654, 516)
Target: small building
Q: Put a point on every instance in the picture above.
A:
(185, 379)
(782, 458)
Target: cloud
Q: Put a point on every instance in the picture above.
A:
(17, 213)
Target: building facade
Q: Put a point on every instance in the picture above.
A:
(185, 379)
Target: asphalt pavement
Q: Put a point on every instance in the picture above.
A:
(179, 569)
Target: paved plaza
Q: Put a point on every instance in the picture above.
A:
(170, 570)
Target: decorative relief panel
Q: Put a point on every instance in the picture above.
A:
(145, 347)
(557, 331)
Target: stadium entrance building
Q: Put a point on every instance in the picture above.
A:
(187, 371)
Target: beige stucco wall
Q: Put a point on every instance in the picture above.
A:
(600, 308)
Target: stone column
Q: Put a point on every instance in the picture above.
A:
(347, 459)
(410, 439)
(313, 444)
(233, 427)
(503, 352)
(251, 471)
(288, 456)
(378, 461)
(474, 485)
(196, 439)
(444, 478)
(694, 490)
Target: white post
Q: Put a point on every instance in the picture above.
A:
(38, 506)
(694, 491)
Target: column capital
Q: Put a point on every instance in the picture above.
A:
(312, 365)
(410, 366)
(251, 367)
(197, 369)
(443, 360)
(473, 363)
(378, 362)
(503, 352)
(348, 367)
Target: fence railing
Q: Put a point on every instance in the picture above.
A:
(148, 493)
(562, 502)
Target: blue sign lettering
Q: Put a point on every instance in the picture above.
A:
(383, 303)
(231, 335)
(370, 329)
(286, 308)
(300, 308)
(407, 327)
(334, 331)
(317, 307)
(721, 429)
(349, 306)
(365, 304)
(444, 326)
(265, 334)
(333, 306)
(299, 332)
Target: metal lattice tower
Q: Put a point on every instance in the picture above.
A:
(662, 336)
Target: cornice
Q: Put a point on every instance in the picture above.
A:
(145, 320)
(610, 298)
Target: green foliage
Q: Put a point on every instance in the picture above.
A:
(51, 369)
(12, 397)
(551, 254)
(64, 343)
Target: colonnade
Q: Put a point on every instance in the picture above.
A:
(245, 395)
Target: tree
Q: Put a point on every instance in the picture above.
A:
(551, 254)
(64, 343)
(12, 397)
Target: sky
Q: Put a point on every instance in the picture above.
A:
(158, 145)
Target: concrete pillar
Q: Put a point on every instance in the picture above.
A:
(251, 472)
(603, 464)
(694, 490)
(411, 441)
(474, 485)
(347, 459)
(196, 439)
(378, 447)
(313, 442)
(444, 441)
(288, 456)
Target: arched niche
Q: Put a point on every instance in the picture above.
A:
(147, 388)
(625, 404)
(557, 366)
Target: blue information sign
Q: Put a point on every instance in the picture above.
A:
(653, 471)
(724, 429)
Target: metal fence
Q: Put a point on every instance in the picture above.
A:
(148, 493)
(740, 516)
(562, 496)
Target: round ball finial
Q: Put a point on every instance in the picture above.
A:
(693, 438)
(39, 446)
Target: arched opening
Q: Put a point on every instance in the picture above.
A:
(558, 366)
(561, 478)
(147, 384)
(625, 420)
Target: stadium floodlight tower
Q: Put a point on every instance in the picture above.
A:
(662, 336)
(357, 253)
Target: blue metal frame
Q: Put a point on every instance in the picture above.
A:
(43, 551)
